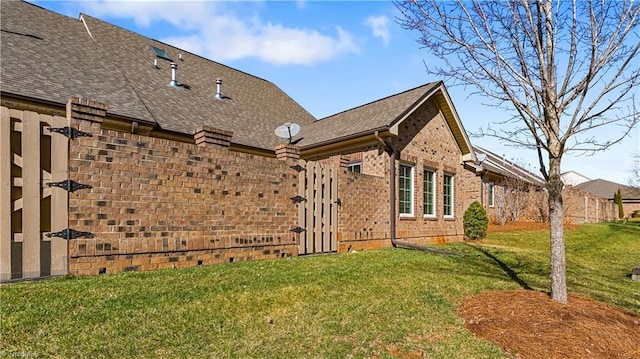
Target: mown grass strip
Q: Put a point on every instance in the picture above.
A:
(369, 304)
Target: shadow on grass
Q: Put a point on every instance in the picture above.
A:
(508, 271)
(631, 227)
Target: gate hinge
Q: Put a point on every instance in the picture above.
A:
(298, 199)
(69, 185)
(298, 168)
(70, 132)
(298, 230)
(70, 233)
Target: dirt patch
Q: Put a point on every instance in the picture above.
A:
(525, 226)
(528, 324)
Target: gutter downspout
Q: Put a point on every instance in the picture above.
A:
(392, 195)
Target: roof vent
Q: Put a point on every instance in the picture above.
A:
(219, 89)
(174, 75)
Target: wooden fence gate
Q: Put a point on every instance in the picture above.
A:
(32, 160)
(318, 208)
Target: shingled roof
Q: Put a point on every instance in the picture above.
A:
(382, 115)
(606, 189)
(50, 57)
(378, 114)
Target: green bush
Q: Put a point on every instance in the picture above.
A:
(617, 199)
(475, 221)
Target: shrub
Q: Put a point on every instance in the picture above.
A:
(475, 221)
(617, 199)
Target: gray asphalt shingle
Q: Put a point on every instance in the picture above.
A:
(378, 114)
(51, 57)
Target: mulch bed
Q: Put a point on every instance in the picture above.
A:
(528, 324)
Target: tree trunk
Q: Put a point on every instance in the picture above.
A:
(556, 217)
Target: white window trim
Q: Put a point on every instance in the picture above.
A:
(433, 194)
(453, 195)
(413, 187)
(354, 164)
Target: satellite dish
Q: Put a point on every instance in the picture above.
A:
(288, 130)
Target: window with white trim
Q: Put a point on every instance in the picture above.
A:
(429, 186)
(448, 199)
(406, 190)
(355, 167)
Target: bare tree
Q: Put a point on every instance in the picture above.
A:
(562, 68)
(501, 207)
(517, 196)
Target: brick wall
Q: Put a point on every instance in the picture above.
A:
(363, 221)
(584, 207)
(426, 142)
(157, 203)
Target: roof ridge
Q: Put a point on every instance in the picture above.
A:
(378, 100)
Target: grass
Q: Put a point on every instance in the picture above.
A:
(369, 304)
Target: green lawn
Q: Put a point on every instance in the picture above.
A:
(349, 305)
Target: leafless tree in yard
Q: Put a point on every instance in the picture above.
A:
(517, 197)
(564, 69)
(501, 206)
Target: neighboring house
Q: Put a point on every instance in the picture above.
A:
(507, 190)
(606, 189)
(510, 192)
(573, 178)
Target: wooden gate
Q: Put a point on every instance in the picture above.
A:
(318, 209)
(31, 158)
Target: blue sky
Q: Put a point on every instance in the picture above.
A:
(329, 56)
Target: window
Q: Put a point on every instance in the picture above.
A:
(491, 195)
(429, 193)
(448, 195)
(355, 167)
(161, 53)
(406, 190)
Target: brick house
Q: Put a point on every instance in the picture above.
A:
(511, 193)
(414, 137)
(153, 157)
(508, 191)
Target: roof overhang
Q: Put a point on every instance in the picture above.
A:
(345, 144)
(358, 140)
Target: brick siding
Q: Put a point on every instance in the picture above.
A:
(158, 203)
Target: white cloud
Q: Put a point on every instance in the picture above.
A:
(213, 30)
(380, 27)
